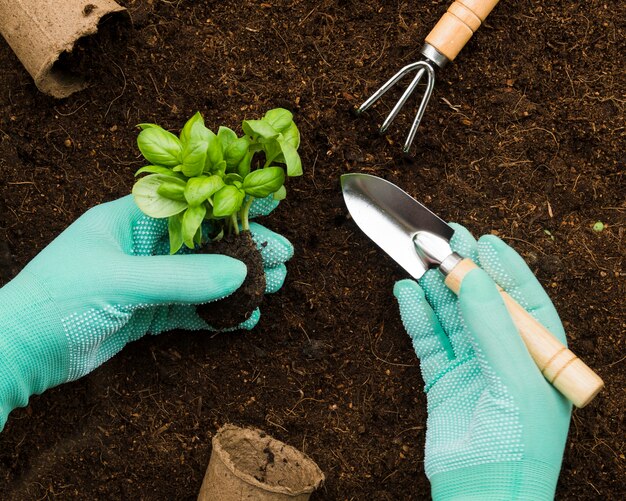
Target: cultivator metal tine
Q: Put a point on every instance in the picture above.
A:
(386, 86)
(409, 90)
(423, 68)
(430, 85)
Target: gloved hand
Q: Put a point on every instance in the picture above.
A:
(496, 428)
(100, 285)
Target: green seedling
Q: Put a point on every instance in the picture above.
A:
(202, 176)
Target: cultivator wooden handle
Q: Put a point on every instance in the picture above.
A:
(458, 24)
(570, 375)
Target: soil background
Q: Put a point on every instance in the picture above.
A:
(524, 137)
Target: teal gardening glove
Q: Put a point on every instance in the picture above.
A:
(496, 428)
(100, 284)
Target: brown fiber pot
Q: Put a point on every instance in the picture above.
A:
(39, 31)
(248, 464)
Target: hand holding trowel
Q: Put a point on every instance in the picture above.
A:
(418, 240)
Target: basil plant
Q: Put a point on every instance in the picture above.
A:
(201, 176)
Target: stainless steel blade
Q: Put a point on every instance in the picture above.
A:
(391, 218)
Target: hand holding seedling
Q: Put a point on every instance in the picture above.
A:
(496, 428)
(104, 281)
(206, 185)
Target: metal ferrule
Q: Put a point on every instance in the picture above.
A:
(432, 54)
(449, 263)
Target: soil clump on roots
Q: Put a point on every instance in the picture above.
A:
(236, 308)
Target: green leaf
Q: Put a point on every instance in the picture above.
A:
(175, 229)
(147, 198)
(197, 239)
(292, 136)
(244, 166)
(234, 153)
(281, 193)
(194, 157)
(279, 118)
(192, 219)
(146, 126)
(259, 129)
(226, 136)
(188, 130)
(292, 159)
(263, 182)
(219, 169)
(195, 137)
(157, 169)
(232, 177)
(200, 188)
(209, 210)
(214, 150)
(217, 236)
(172, 188)
(227, 201)
(273, 151)
(159, 146)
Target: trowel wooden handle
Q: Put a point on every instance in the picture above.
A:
(559, 365)
(458, 25)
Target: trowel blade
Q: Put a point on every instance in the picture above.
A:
(391, 218)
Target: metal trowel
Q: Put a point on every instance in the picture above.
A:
(418, 240)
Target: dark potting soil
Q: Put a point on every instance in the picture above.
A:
(524, 137)
(237, 307)
(92, 54)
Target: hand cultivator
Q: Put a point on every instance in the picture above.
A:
(443, 43)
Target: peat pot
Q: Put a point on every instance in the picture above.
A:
(44, 32)
(248, 464)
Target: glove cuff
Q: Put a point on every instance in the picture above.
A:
(33, 348)
(514, 480)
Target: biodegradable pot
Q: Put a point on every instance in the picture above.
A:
(40, 32)
(248, 464)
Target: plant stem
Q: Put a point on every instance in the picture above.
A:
(233, 221)
(268, 161)
(245, 225)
